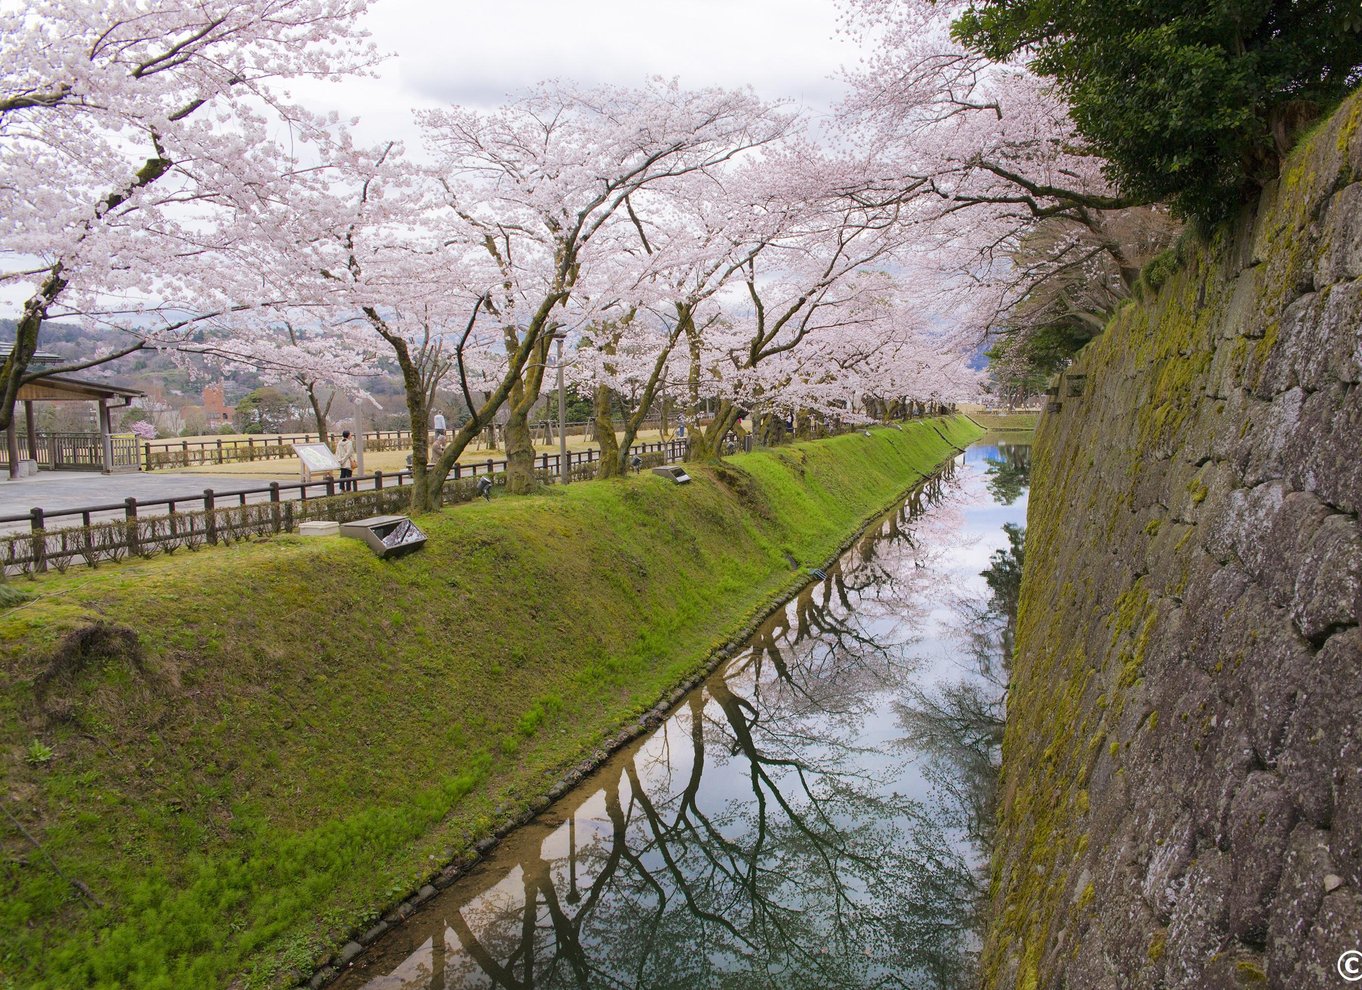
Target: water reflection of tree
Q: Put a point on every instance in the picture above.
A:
(959, 725)
(1010, 472)
(816, 875)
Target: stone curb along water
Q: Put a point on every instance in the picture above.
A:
(1181, 795)
(452, 871)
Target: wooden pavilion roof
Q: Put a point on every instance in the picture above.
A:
(64, 388)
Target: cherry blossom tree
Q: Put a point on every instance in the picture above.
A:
(134, 135)
(544, 185)
(692, 241)
(808, 274)
(1012, 204)
(466, 269)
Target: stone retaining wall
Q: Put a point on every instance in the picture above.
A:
(1182, 783)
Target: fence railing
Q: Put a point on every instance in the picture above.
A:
(263, 447)
(192, 521)
(147, 527)
(155, 454)
(74, 451)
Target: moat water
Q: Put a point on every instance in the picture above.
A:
(816, 814)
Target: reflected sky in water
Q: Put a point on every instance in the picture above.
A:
(813, 816)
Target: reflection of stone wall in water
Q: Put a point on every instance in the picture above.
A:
(1182, 788)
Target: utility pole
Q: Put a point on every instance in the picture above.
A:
(563, 471)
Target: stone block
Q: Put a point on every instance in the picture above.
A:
(1341, 258)
(1328, 591)
(1261, 819)
(1295, 906)
(1320, 744)
(319, 527)
(1198, 918)
(1319, 457)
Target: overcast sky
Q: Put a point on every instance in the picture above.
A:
(476, 52)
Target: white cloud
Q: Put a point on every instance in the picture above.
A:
(478, 52)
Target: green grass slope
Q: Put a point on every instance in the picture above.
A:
(258, 748)
(1002, 421)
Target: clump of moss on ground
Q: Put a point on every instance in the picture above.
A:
(308, 732)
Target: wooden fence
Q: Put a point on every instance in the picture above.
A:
(75, 451)
(266, 447)
(147, 528)
(232, 450)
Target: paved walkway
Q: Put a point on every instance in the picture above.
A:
(54, 491)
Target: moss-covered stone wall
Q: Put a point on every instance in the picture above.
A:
(1181, 799)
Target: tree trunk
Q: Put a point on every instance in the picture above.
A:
(770, 430)
(521, 398)
(605, 430)
(693, 388)
(424, 496)
(422, 499)
(519, 449)
(634, 423)
(319, 411)
(708, 443)
(26, 343)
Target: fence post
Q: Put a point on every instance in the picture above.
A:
(210, 522)
(184, 453)
(147, 447)
(378, 481)
(330, 485)
(274, 504)
(130, 513)
(39, 527)
(250, 448)
(489, 465)
(544, 461)
(456, 470)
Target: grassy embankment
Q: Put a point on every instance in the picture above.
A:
(303, 733)
(1004, 421)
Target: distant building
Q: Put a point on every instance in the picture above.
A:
(215, 408)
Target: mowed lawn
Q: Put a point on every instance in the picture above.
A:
(232, 760)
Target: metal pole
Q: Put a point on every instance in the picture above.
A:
(359, 442)
(563, 471)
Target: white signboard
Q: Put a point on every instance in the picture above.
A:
(317, 458)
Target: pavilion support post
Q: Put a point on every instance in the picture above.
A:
(31, 429)
(12, 448)
(106, 436)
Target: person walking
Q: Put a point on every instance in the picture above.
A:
(348, 460)
(439, 424)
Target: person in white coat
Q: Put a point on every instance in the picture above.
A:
(348, 460)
